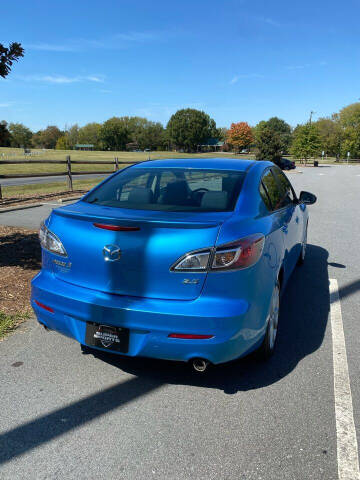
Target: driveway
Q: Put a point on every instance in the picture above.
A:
(69, 415)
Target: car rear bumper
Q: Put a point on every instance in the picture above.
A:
(234, 324)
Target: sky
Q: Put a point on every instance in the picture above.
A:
(236, 60)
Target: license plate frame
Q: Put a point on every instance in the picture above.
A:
(109, 337)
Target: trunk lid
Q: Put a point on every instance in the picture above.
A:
(143, 269)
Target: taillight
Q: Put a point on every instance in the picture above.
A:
(242, 253)
(50, 241)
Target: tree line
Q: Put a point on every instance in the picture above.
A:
(191, 130)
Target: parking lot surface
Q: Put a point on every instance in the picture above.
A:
(68, 415)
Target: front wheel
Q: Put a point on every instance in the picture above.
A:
(268, 346)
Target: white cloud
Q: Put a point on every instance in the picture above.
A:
(118, 40)
(47, 47)
(62, 79)
(306, 65)
(6, 104)
(236, 78)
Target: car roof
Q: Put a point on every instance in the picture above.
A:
(204, 163)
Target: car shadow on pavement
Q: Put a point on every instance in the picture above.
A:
(303, 319)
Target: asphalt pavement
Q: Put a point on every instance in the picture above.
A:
(69, 415)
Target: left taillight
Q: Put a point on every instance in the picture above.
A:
(242, 253)
(51, 242)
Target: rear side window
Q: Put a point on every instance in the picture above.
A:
(264, 196)
(287, 192)
(272, 188)
(170, 189)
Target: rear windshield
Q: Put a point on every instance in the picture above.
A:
(170, 189)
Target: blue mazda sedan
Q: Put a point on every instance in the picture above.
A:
(179, 259)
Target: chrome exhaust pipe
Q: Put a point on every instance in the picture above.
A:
(199, 365)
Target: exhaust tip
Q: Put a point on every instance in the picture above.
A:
(200, 364)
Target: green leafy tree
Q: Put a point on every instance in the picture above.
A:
(115, 134)
(5, 135)
(278, 126)
(350, 116)
(9, 55)
(151, 135)
(331, 135)
(20, 135)
(351, 142)
(48, 137)
(188, 128)
(90, 134)
(269, 144)
(72, 134)
(63, 143)
(306, 143)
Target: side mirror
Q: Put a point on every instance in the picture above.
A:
(307, 197)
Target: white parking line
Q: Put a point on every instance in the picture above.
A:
(347, 448)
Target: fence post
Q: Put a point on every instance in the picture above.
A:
(116, 164)
(0, 192)
(69, 179)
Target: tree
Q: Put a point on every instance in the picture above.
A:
(4, 134)
(151, 135)
(269, 144)
(351, 142)
(63, 143)
(278, 126)
(20, 135)
(115, 134)
(72, 134)
(240, 135)
(307, 142)
(350, 116)
(188, 128)
(222, 134)
(90, 134)
(8, 56)
(47, 138)
(331, 134)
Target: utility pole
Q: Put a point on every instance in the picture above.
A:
(311, 114)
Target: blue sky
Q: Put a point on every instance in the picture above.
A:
(237, 60)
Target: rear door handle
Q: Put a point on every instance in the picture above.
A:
(297, 219)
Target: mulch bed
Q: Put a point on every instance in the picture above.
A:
(20, 260)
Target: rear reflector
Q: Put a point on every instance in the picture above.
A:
(190, 336)
(116, 228)
(45, 307)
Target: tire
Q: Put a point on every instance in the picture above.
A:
(85, 350)
(268, 346)
(302, 255)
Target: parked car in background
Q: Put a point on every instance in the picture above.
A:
(180, 259)
(285, 164)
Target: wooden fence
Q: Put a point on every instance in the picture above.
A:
(68, 173)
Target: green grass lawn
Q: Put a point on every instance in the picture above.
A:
(17, 154)
(42, 188)
(8, 323)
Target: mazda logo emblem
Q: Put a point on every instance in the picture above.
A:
(111, 253)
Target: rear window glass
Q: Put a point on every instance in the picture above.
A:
(170, 189)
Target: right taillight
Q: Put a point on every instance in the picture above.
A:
(242, 253)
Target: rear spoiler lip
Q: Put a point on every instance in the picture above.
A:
(136, 221)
